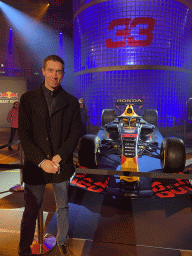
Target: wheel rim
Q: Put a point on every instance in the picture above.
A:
(162, 155)
(96, 159)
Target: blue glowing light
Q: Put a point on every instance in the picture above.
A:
(110, 46)
(9, 58)
(10, 42)
(61, 50)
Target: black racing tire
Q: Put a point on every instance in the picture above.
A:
(137, 185)
(173, 155)
(108, 116)
(88, 151)
(150, 116)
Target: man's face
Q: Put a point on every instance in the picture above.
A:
(53, 73)
(16, 105)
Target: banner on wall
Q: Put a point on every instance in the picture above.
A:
(8, 97)
(11, 89)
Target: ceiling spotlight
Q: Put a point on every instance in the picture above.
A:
(61, 33)
(11, 29)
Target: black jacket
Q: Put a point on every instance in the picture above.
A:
(43, 137)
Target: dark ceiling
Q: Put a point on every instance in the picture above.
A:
(59, 14)
(28, 4)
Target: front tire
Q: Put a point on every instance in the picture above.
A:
(88, 152)
(173, 155)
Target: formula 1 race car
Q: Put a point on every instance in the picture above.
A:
(131, 136)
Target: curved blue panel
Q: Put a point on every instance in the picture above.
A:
(133, 49)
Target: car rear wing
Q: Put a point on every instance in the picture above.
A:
(129, 102)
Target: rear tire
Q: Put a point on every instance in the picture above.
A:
(151, 116)
(173, 155)
(108, 116)
(88, 152)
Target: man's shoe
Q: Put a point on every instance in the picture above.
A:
(20, 254)
(25, 253)
(28, 254)
(64, 250)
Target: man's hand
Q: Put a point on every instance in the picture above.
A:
(56, 159)
(49, 166)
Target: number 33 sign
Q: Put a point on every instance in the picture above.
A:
(125, 32)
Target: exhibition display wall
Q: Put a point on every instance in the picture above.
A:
(133, 49)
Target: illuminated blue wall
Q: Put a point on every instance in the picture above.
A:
(133, 49)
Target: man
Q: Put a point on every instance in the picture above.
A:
(189, 109)
(84, 117)
(49, 131)
(12, 118)
(81, 101)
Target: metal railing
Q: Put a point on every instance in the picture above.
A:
(17, 142)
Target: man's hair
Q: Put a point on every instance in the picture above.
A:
(15, 102)
(54, 58)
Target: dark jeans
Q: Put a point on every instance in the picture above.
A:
(83, 129)
(13, 132)
(33, 195)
